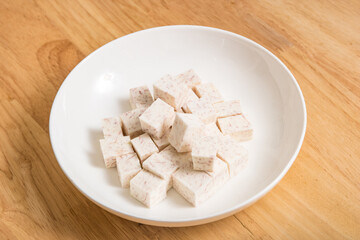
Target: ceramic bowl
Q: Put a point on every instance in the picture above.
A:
(98, 87)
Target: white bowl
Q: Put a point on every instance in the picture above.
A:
(242, 69)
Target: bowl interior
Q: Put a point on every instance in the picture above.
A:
(98, 88)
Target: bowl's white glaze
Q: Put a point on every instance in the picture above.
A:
(241, 69)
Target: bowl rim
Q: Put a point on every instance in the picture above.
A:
(197, 220)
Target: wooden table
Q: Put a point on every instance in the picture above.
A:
(319, 41)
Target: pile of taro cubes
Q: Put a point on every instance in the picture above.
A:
(186, 137)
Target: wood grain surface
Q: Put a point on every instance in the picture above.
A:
(319, 41)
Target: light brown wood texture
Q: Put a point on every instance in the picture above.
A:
(319, 41)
